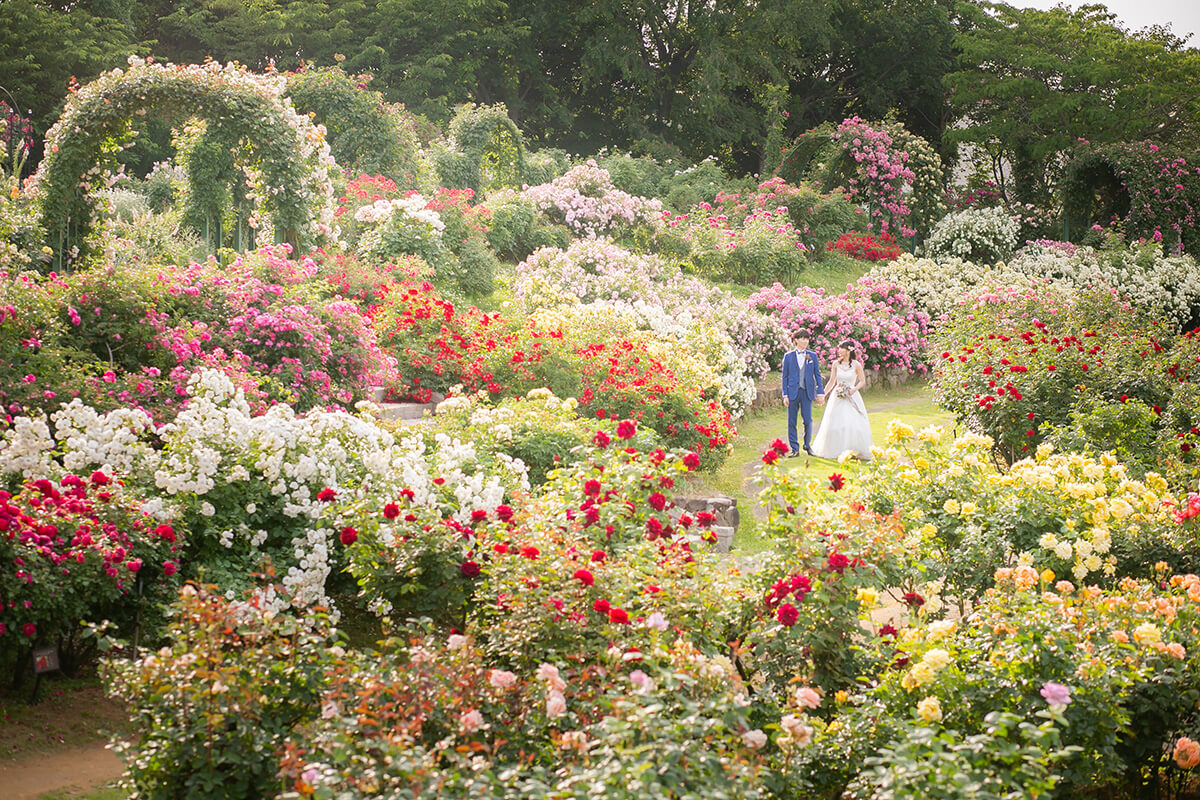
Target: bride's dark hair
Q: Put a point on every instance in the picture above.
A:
(849, 345)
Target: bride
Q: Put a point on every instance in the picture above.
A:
(844, 425)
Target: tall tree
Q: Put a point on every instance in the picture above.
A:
(44, 44)
(1034, 82)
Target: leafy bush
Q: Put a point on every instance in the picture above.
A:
(983, 235)
(517, 227)
(211, 709)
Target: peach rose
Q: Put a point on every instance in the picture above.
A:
(1187, 753)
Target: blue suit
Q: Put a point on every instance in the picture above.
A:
(801, 385)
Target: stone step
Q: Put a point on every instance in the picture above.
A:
(405, 412)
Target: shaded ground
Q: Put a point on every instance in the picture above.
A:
(58, 745)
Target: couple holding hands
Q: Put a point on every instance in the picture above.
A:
(844, 425)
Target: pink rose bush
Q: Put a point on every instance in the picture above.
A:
(133, 336)
(877, 315)
(585, 200)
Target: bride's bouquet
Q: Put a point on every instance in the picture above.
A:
(842, 390)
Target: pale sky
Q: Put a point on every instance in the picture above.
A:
(1184, 15)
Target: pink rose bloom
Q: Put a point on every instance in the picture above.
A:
(754, 739)
(656, 621)
(471, 721)
(556, 704)
(807, 697)
(550, 674)
(501, 679)
(1056, 694)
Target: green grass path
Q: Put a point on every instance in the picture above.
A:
(911, 403)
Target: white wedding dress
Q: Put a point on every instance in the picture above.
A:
(844, 425)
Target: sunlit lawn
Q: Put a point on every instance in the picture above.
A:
(910, 403)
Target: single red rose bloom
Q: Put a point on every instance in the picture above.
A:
(29, 629)
(770, 457)
(504, 513)
(787, 615)
(348, 536)
(327, 495)
(100, 479)
(601, 439)
(584, 577)
(913, 599)
(836, 481)
(837, 562)
(626, 429)
(599, 555)
(530, 552)
(657, 501)
(591, 488)
(170, 568)
(601, 607)
(618, 615)
(478, 515)
(391, 511)
(691, 461)
(779, 446)
(469, 569)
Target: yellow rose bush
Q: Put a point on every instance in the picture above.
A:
(1080, 516)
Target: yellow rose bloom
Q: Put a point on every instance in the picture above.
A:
(1147, 634)
(867, 597)
(930, 709)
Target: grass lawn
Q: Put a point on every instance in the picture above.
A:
(910, 403)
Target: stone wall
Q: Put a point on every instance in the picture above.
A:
(723, 508)
(770, 391)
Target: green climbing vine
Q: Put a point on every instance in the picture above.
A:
(287, 162)
(485, 152)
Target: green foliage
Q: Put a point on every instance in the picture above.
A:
(543, 166)
(294, 187)
(517, 227)
(1011, 758)
(364, 135)
(1128, 429)
(212, 707)
(679, 185)
(1033, 83)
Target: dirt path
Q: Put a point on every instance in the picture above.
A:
(75, 770)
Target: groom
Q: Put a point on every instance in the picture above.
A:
(801, 386)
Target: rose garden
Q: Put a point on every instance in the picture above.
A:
(208, 505)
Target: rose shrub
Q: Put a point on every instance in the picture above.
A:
(877, 315)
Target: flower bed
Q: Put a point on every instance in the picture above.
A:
(876, 315)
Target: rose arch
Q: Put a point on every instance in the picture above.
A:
(1153, 190)
(284, 156)
(486, 150)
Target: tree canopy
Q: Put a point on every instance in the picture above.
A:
(707, 78)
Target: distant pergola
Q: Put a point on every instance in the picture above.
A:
(1153, 190)
(284, 152)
